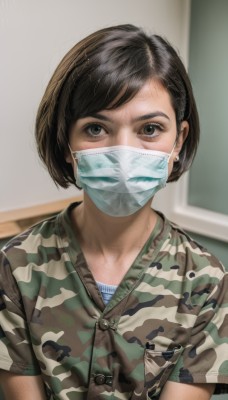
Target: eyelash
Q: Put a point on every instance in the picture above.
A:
(155, 126)
(92, 125)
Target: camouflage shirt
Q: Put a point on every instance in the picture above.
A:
(167, 319)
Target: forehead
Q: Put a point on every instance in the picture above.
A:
(153, 96)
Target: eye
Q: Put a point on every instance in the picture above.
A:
(151, 130)
(94, 130)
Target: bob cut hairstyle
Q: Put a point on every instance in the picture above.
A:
(104, 71)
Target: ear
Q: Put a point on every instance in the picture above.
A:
(68, 157)
(184, 129)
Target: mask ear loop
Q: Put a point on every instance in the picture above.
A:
(177, 158)
(74, 161)
(170, 154)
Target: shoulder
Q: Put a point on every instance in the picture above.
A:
(189, 252)
(197, 272)
(21, 248)
(21, 255)
(38, 244)
(27, 258)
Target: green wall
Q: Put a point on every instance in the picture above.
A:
(208, 69)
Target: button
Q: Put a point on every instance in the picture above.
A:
(108, 380)
(99, 379)
(104, 324)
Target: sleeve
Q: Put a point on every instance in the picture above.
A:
(205, 358)
(16, 352)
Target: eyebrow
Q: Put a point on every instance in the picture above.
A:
(152, 115)
(140, 118)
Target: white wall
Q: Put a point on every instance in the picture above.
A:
(34, 35)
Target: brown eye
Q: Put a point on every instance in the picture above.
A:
(149, 129)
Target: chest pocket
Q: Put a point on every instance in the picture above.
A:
(158, 366)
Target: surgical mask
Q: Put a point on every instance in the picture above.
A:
(120, 180)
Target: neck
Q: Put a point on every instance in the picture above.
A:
(103, 233)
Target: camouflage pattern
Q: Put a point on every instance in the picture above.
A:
(167, 319)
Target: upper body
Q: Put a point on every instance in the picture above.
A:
(165, 318)
(119, 120)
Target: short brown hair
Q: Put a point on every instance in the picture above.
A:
(90, 78)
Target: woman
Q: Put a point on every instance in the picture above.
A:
(109, 299)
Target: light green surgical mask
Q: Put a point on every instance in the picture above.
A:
(121, 179)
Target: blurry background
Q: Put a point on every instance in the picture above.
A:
(208, 66)
(34, 36)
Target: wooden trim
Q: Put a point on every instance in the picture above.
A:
(15, 221)
(8, 229)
